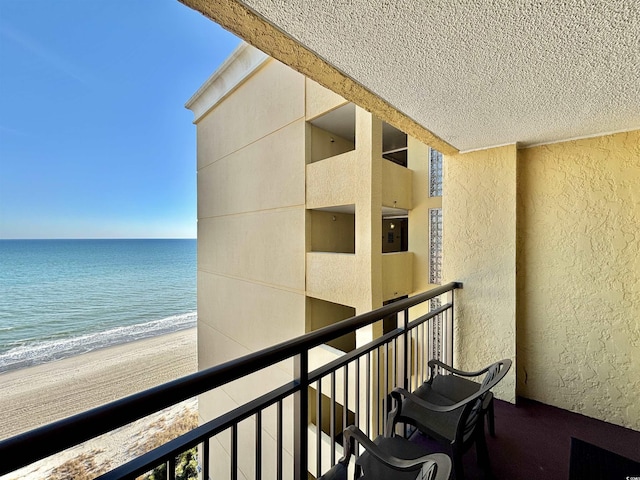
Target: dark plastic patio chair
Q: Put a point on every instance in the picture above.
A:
(458, 386)
(389, 458)
(450, 409)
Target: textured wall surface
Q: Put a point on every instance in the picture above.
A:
(247, 171)
(332, 181)
(334, 277)
(579, 276)
(320, 100)
(503, 71)
(241, 21)
(322, 144)
(230, 126)
(397, 275)
(243, 154)
(331, 231)
(397, 185)
(251, 240)
(479, 249)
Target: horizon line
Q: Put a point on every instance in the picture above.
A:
(104, 238)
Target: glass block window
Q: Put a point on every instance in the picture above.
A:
(435, 245)
(437, 333)
(435, 173)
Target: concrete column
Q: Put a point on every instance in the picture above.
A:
(369, 212)
(479, 249)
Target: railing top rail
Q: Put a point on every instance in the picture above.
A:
(369, 347)
(39, 443)
(140, 464)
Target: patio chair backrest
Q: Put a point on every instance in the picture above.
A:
(491, 378)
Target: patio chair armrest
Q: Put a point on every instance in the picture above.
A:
(436, 363)
(442, 462)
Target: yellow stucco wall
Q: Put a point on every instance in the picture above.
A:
(332, 231)
(322, 144)
(276, 95)
(479, 250)
(579, 276)
(251, 236)
(251, 240)
(332, 181)
(396, 185)
(368, 207)
(397, 275)
(320, 100)
(244, 23)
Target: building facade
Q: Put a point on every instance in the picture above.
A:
(545, 239)
(310, 211)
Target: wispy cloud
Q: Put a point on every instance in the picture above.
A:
(44, 54)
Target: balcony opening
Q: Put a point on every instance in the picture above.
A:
(391, 322)
(333, 229)
(325, 409)
(394, 145)
(332, 134)
(321, 313)
(395, 234)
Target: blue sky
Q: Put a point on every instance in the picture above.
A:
(95, 141)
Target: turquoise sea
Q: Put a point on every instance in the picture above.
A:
(59, 298)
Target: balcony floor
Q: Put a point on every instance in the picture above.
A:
(533, 442)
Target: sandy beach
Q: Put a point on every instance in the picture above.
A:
(38, 395)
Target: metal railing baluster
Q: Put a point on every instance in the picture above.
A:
(318, 428)
(414, 371)
(171, 468)
(258, 467)
(301, 412)
(368, 397)
(421, 359)
(332, 427)
(345, 397)
(234, 452)
(378, 399)
(357, 399)
(205, 459)
(451, 310)
(385, 392)
(405, 337)
(415, 349)
(279, 446)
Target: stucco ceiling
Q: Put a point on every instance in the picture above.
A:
(482, 73)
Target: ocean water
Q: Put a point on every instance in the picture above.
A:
(59, 298)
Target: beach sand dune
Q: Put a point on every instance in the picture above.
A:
(38, 395)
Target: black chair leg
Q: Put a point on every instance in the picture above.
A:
(482, 453)
(492, 420)
(458, 468)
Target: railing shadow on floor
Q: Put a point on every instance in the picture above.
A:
(353, 388)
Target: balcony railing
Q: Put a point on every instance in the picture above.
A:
(353, 388)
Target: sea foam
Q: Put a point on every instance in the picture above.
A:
(46, 351)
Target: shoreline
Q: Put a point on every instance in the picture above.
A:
(34, 396)
(49, 350)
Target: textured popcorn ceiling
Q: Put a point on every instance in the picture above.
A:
(478, 73)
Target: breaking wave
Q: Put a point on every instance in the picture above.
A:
(38, 352)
